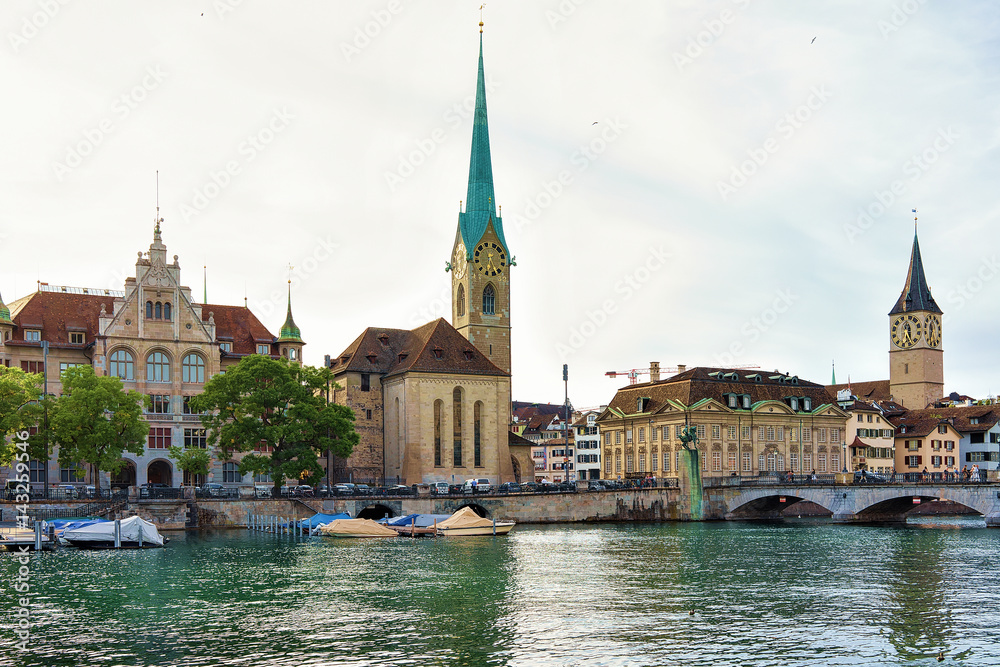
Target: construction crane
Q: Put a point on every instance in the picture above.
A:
(634, 373)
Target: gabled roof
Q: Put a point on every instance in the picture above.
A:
(875, 390)
(435, 347)
(916, 295)
(703, 384)
(238, 324)
(959, 417)
(56, 314)
(523, 411)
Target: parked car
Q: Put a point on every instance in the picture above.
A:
(509, 487)
(362, 490)
(529, 487)
(302, 491)
(545, 486)
(212, 490)
(440, 488)
(64, 491)
(595, 485)
(477, 485)
(344, 489)
(401, 490)
(455, 489)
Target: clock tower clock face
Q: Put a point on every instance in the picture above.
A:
(906, 331)
(490, 259)
(459, 263)
(933, 326)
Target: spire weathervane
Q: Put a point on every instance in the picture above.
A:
(158, 219)
(914, 221)
(481, 17)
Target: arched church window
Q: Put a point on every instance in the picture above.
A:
(122, 365)
(461, 300)
(456, 400)
(438, 407)
(166, 311)
(157, 367)
(193, 369)
(477, 449)
(159, 310)
(149, 310)
(489, 301)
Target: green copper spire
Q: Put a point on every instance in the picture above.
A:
(4, 313)
(289, 331)
(480, 203)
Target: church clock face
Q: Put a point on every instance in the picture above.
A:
(490, 259)
(906, 331)
(933, 326)
(459, 264)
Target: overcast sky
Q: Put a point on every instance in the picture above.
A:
(744, 197)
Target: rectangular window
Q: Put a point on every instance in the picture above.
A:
(77, 337)
(701, 431)
(807, 462)
(33, 366)
(732, 461)
(770, 434)
(63, 366)
(195, 438)
(912, 461)
(652, 433)
(654, 461)
(366, 382)
(746, 433)
(666, 461)
(761, 433)
(263, 349)
(834, 462)
(746, 462)
(607, 465)
(368, 414)
(716, 431)
(678, 428)
(779, 433)
(732, 432)
(642, 434)
(226, 347)
(860, 418)
(942, 428)
(628, 438)
(913, 445)
(618, 437)
(760, 462)
(806, 434)
(716, 461)
(821, 462)
(33, 335)
(835, 435)
(949, 445)
(642, 461)
(71, 474)
(794, 459)
(159, 437)
(936, 461)
(628, 462)
(949, 461)
(159, 404)
(607, 437)
(35, 474)
(618, 461)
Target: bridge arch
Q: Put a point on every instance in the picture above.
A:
(770, 503)
(477, 508)
(376, 512)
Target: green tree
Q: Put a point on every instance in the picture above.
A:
(20, 409)
(95, 421)
(192, 461)
(273, 403)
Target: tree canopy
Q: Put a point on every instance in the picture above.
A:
(277, 413)
(95, 420)
(20, 408)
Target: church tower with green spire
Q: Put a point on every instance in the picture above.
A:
(290, 338)
(6, 325)
(481, 261)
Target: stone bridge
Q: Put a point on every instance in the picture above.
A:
(848, 503)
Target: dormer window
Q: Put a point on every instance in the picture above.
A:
(806, 403)
(263, 349)
(793, 402)
(372, 358)
(33, 335)
(77, 337)
(755, 377)
(641, 403)
(438, 353)
(731, 400)
(226, 347)
(746, 401)
(383, 338)
(402, 355)
(468, 354)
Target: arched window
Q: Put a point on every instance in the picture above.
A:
(159, 310)
(461, 300)
(489, 301)
(122, 365)
(477, 433)
(166, 311)
(231, 473)
(292, 353)
(157, 367)
(193, 369)
(149, 310)
(456, 402)
(438, 408)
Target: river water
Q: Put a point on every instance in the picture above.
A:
(795, 593)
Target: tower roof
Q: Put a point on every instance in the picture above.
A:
(480, 203)
(289, 330)
(916, 295)
(4, 313)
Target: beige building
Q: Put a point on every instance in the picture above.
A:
(747, 422)
(871, 437)
(926, 441)
(157, 339)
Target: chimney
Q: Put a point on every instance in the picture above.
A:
(654, 371)
(681, 368)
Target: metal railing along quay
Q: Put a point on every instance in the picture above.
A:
(855, 479)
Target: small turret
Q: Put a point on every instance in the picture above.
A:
(290, 337)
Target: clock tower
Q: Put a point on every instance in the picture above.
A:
(480, 261)
(916, 360)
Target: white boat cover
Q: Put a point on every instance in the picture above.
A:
(132, 528)
(465, 518)
(356, 528)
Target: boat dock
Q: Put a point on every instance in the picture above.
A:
(15, 537)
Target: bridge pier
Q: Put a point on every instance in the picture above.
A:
(992, 520)
(870, 517)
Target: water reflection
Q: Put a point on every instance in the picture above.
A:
(790, 593)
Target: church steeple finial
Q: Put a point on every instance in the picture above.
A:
(290, 332)
(916, 295)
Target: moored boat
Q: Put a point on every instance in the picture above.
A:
(466, 522)
(135, 533)
(355, 528)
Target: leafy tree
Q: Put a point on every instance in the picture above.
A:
(95, 421)
(192, 461)
(20, 409)
(280, 408)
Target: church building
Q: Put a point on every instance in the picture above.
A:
(433, 404)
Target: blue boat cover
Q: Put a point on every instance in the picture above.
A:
(69, 524)
(422, 520)
(315, 520)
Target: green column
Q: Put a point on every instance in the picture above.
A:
(689, 474)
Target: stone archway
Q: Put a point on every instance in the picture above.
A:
(125, 477)
(160, 472)
(376, 512)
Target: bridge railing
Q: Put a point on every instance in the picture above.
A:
(855, 479)
(768, 479)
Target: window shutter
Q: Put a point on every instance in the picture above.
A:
(920, 459)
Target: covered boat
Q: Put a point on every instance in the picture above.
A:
(135, 532)
(466, 522)
(317, 520)
(356, 528)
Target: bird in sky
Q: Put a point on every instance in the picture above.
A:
(594, 123)
(814, 39)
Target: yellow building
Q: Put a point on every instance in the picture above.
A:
(747, 423)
